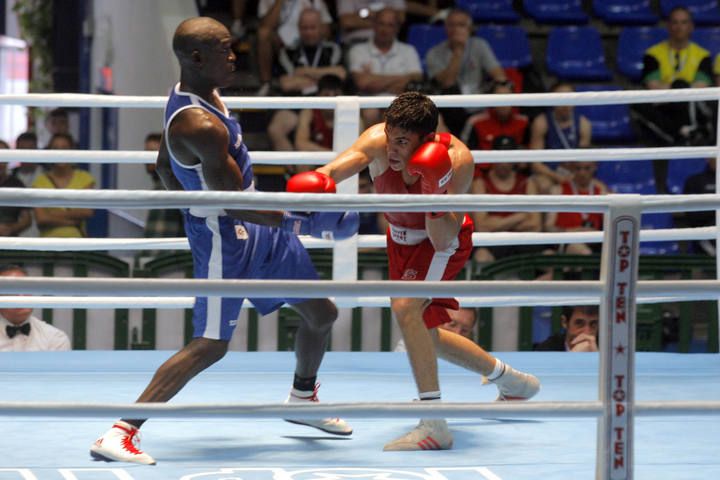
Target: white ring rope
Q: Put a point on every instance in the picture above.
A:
(353, 410)
(480, 239)
(487, 100)
(22, 301)
(127, 157)
(123, 287)
(142, 199)
(48, 197)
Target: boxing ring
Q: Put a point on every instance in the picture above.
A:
(615, 414)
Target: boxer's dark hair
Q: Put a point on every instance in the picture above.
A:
(412, 111)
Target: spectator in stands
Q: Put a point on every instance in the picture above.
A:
(496, 122)
(13, 220)
(579, 331)
(582, 182)
(461, 64)
(677, 62)
(483, 128)
(302, 65)
(160, 223)
(26, 172)
(384, 65)
(279, 28)
(20, 331)
(503, 179)
(315, 126)
(462, 322)
(357, 18)
(558, 128)
(56, 121)
(61, 221)
(704, 183)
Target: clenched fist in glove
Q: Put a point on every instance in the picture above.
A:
(432, 162)
(327, 225)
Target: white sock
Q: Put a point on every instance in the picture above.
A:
(430, 396)
(497, 371)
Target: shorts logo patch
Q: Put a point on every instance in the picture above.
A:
(399, 236)
(241, 233)
(409, 274)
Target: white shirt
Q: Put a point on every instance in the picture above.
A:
(401, 59)
(290, 14)
(42, 337)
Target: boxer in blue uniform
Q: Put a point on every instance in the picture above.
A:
(203, 149)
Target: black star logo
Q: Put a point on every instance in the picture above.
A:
(620, 349)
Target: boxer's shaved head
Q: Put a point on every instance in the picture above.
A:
(197, 35)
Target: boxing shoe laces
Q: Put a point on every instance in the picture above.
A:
(335, 426)
(515, 385)
(120, 444)
(428, 435)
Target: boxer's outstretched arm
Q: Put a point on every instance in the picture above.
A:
(357, 157)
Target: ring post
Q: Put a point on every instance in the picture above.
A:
(618, 273)
(345, 252)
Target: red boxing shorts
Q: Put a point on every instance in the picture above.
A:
(411, 256)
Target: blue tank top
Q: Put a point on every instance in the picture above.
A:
(558, 138)
(191, 176)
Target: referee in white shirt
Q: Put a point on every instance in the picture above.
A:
(20, 331)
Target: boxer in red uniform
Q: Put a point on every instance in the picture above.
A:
(406, 156)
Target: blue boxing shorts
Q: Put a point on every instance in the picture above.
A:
(225, 248)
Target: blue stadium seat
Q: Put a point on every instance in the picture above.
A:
(680, 169)
(708, 38)
(655, 221)
(632, 43)
(509, 43)
(625, 12)
(631, 176)
(704, 12)
(423, 37)
(576, 53)
(557, 12)
(495, 11)
(610, 123)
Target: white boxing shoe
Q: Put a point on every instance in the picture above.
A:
(335, 426)
(428, 435)
(120, 444)
(516, 385)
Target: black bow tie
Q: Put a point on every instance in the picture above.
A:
(12, 330)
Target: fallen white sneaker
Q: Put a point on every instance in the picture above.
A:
(336, 426)
(428, 435)
(515, 385)
(120, 444)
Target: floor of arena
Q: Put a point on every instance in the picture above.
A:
(677, 447)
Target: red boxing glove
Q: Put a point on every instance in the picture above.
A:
(311, 182)
(432, 162)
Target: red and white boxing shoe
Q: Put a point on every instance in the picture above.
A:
(120, 444)
(428, 435)
(336, 426)
(516, 385)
